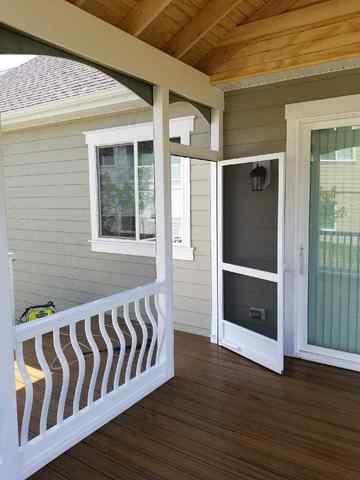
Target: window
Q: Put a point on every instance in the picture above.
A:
(122, 189)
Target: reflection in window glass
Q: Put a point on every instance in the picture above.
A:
(147, 217)
(116, 191)
(124, 192)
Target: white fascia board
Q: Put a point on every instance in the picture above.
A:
(73, 108)
(65, 26)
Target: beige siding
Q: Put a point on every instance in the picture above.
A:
(254, 121)
(46, 171)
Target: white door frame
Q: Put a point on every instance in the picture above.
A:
(302, 119)
(271, 353)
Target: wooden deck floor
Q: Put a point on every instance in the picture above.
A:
(223, 417)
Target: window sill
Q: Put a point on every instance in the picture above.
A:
(142, 248)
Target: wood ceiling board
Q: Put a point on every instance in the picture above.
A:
(312, 45)
(272, 8)
(173, 19)
(199, 26)
(328, 10)
(111, 11)
(298, 62)
(344, 31)
(212, 39)
(143, 15)
(306, 3)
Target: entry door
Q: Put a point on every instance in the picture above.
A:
(251, 259)
(328, 243)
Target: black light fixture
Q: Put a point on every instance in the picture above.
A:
(258, 178)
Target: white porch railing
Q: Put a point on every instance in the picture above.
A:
(102, 371)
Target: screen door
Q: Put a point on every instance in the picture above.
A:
(251, 204)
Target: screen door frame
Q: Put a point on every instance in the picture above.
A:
(266, 351)
(303, 349)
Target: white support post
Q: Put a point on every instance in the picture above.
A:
(164, 263)
(9, 446)
(216, 131)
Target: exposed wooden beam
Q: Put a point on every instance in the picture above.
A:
(272, 8)
(318, 13)
(141, 16)
(213, 12)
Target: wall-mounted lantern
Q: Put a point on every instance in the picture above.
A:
(258, 178)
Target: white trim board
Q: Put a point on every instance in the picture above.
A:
(104, 102)
(69, 28)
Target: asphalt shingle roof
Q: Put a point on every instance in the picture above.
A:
(46, 79)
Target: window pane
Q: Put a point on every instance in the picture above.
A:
(147, 218)
(116, 191)
(334, 239)
(146, 174)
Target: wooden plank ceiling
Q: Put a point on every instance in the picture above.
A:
(235, 39)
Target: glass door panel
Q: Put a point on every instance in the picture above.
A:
(334, 240)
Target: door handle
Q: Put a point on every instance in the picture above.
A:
(301, 259)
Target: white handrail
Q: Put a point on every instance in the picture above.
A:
(42, 326)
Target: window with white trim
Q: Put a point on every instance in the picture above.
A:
(122, 190)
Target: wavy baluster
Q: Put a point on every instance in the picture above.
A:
(39, 349)
(110, 354)
(161, 327)
(96, 360)
(81, 375)
(154, 337)
(133, 343)
(29, 393)
(122, 344)
(144, 337)
(65, 375)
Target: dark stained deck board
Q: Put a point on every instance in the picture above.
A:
(223, 417)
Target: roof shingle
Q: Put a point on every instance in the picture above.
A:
(46, 79)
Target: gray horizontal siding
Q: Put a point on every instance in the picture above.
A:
(254, 120)
(48, 204)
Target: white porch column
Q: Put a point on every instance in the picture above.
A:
(164, 263)
(9, 450)
(216, 132)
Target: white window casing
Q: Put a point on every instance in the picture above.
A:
(179, 128)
